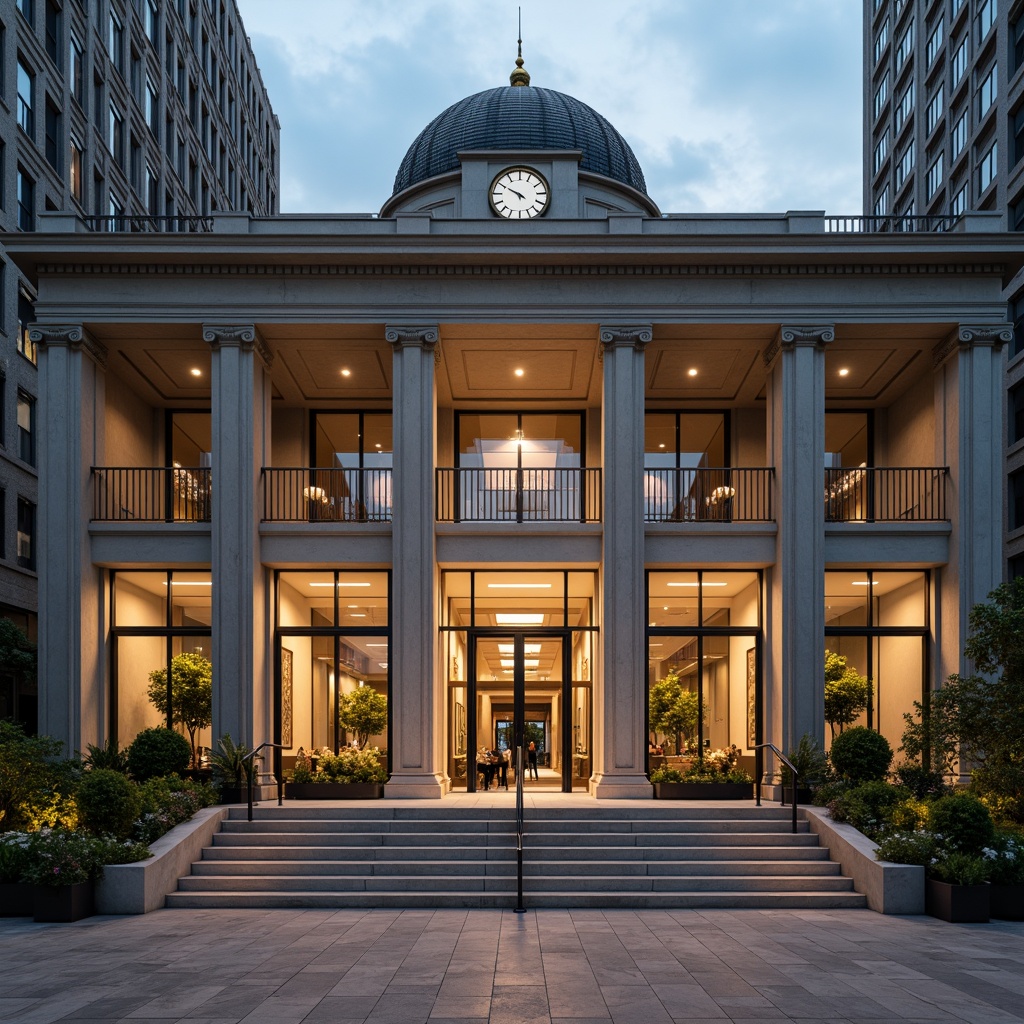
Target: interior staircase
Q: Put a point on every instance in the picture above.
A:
(683, 856)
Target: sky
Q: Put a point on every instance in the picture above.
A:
(729, 105)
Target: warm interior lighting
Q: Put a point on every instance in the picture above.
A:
(511, 649)
(196, 372)
(340, 584)
(376, 645)
(190, 583)
(519, 586)
(844, 372)
(706, 584)
(864, 583)
(527, 662)
(519, 619)
(519, 371)
(346, 372)
(357, 615)
(691, 372)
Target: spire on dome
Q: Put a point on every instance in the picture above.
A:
(520, 76)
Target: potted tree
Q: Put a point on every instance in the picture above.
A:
(233, 770)
(191, 694)
(846, 692)
(365, 712)
(673, 711)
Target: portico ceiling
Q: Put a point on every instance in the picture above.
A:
(351, 364)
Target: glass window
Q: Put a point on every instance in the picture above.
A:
(987, 90)
(882, 39)
(115, 135)
(27, 9)
(26, 314)
(905, 165)
(77, 71)
(987, 168)
(882, 202)
(26, 428)
(53, 135)
(958, 136)
(986, 17)
(152, 107)
(26, 534)
(958, 204)
(935, 109)
(1017, 129)
(115, 42)
(906, 47)
(26, 202)
(75, 169)
(906, 106)
(935, 42)
(26, 89)
(935, 176)
(1017, 42)
(881, 94)
(1016, 500)
(960, 60)
(53, 47)
(847, 439)
(881, 151)
(1016, 418)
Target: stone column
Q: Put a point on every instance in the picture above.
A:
(970, 395)
(796, 437)
(621, 700)
(73, 704)
(417, 698)
(240, 404)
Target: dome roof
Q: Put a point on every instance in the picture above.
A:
(518, 117)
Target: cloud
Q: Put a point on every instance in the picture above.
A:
(731, 105)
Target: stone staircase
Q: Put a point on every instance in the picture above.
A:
(683, 856)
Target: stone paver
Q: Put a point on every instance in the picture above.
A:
(497, 967)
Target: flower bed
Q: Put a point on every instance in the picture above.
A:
(350, 774)
(711, 777)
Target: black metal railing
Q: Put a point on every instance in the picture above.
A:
(872, 494)
(135, 224)
(759, 769)
(518, 495)
(892, 223)
(251, 769)
(519, 908)
(741, 495)
(171, 494)
(327, 495)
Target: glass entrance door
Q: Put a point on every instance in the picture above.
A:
(519, 692)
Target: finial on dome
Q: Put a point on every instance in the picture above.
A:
(520, 76)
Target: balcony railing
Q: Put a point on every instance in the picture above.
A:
(327, 495)
(869, 494)
(518, 495)
(171, 494)
(740, 495)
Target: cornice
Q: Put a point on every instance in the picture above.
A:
(244, 336)
(67, 336)
(969, 336)
(765, 269)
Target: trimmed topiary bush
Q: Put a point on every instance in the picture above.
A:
(108, 803)
(861, 755)
(159, 751)
(961, 823)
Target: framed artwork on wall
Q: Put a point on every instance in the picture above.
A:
(751, 698)
(286, 697)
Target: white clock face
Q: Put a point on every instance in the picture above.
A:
(519, 194)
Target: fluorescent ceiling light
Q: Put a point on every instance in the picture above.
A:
(519, 586)
(376, 645)
(527, 662)
(697, 584)
(340, 584)
(190, 583)
(863, 583)
(356, 615)
(516, 619)
(511, 648)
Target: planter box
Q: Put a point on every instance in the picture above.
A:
(236, 795)
(703, 791)
(1007, 902)
(334, 790)
(16, 899)
(960, 904)
(64, 902)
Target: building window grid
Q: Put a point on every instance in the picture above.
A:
(1017, 39)
(905, 165)
(881, 151)
(26, 427)
(115, 42)
(26, 533)
(26, 314)
(26, 201)
(958, 136)
(26, 89)
(882, 202)
(958, 204)
(906, 46)
(882, 39)
(986, 17)
(53, 26)
(77, 76)
(904, 110)
(881, 95)
(959, 66)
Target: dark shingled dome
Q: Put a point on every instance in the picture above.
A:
(519, 117)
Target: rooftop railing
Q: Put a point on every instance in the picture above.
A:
(890, 224)
(136, 224)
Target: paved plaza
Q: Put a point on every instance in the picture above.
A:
(476, 966)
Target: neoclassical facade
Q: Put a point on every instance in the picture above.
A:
(515, 452)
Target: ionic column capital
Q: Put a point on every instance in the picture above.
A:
(412, 335)
(799, 336)
(67, 336)
(634, 336)
(971, 336)
(243, 336)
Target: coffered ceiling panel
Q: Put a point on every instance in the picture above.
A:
(168, 370)
(318, 371)
(549, 372)
(714, 371)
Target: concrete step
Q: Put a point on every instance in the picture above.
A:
(781, 900)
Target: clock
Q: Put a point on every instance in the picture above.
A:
(519, 193)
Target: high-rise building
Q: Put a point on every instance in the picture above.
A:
(138, 115)
(944, 134)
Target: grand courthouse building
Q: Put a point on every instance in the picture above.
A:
(515, 449)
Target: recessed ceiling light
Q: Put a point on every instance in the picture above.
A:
(530, 619)
(346, 372)
(376, 645)
(190, 583)
(354, 615)
(844, 372)
(519, 586)
(661, 446)
(519, 371)
(863, 583)
(691, 372)
(196, 372)
(340, 584)
(510, 649)
(706, 584)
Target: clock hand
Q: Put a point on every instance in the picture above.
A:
(519, 194)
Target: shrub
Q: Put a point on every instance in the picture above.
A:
(167, 801)
(825, 794)
(960, 869)
(350, 765)
(922, 782)
(108, 803)
(36, 783)
(1006, 859)
(903, 847)
(861, 755)
(58, 857)
(108, 756)
(909, 814)
(159, 751)
(666, 775)
(810, 760)
(231, 763)
(867, 807)
(962, 824)
(14, 855)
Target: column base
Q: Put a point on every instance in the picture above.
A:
(414, 787)
(621, 787)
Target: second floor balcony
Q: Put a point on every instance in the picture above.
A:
(518, 495)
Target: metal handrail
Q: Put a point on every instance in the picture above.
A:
(249, 775)
(789, 764)
(520, 909)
